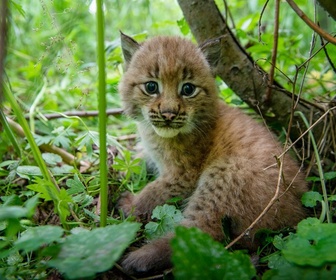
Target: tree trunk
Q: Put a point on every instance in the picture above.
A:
(238, 70)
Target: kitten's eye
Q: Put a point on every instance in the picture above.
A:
(152, 87)
(188, 90)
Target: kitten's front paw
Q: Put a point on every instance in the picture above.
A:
(153, 257)
(126, 203)
(131, 204)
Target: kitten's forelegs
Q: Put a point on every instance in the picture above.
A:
(155, 193)
(156, 256)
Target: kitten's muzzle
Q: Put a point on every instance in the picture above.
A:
(168, 116)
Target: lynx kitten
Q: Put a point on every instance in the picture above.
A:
(214, 156)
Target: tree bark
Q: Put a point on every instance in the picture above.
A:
(238, 70)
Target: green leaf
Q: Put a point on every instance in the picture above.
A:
(75, 185)
(303, 273)
(61, 170)
(51, 159)
(44, 188)
(184, 27)
(34, 238)
(314, 244)
(13, 212)
(278, 242)
(14, 259)
(332, 197)
(86, 253)
(25, 171)
(309, 199)
(313, 179)
(62, 206)
(277, 261)
(197, 256)
(330, 175)
(168, 216)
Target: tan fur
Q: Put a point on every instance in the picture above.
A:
(221, 161)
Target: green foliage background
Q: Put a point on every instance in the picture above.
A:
(51, 67)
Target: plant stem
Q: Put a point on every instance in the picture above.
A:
(34, 105)
(30, 138)
(319, 165)
(102, 113)
(9, 133)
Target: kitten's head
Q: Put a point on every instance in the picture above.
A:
(168, 85)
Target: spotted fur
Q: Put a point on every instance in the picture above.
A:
(214, 156)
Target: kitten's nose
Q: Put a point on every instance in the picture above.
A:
(168, 115)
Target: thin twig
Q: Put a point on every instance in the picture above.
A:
(266, 209)
(310, 128)
(310, 23)
(274, 50)
(332, 65)
(259, 22)
(82, 114)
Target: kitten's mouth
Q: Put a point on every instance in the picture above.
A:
(167, 130)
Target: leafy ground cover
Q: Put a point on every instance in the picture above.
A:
(50, 217)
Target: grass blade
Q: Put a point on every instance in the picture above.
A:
(102, 112)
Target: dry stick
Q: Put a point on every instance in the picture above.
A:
(274, 50)
(310, 128)
(311, 24)
(327, 54)
(259, 21)
(67, 157)
(116, 111)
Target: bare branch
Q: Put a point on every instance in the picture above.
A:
(82, 114)
(310, 23)
(67, 157)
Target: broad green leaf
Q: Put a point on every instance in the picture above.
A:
(313, 179)
(86, 253)
(13, 212)
(314, 244)
(197, 256)
(60, 170)
(330, 175)
(277, 261)
(302, 273)
(34, 238)
(51, 159)
(332, 197)
(24, 171)
(309, 199)
(17, 212)
(278, 242)
(167, 217)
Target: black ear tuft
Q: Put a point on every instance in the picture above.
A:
(212, 51)
(129, 46)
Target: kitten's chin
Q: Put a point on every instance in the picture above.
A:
(166, 132)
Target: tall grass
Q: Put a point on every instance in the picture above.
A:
(102, 112)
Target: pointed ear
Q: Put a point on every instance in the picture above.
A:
(129, 46)
(212, 51)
